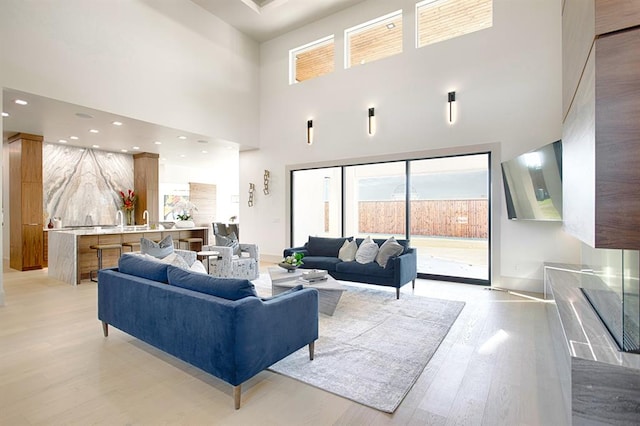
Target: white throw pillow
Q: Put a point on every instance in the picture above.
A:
(367, 251)
(348, 251)
(198, 267)
(176, 260)
(388, 249)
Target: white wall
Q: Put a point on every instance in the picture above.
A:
(163, 61)
(508, 84)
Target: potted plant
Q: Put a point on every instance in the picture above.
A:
(292, 262)
(183, 211)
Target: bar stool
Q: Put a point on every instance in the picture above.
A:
(190, 241)
(132, 245)
(99, 248)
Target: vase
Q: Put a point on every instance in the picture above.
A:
(129, 217)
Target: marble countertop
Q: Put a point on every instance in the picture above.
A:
(100, 230)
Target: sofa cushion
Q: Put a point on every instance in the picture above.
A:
(363, 269)
(227, 288)
(367, 251)
(320, 262)
(323, 246)
(348, 251)
(141, 265)
(160, 250)
(388, 249)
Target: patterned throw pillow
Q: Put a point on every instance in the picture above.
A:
(229, 241)
(367, 251)
(160, 250)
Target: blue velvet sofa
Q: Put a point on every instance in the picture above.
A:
(322, 253)
(216, 324)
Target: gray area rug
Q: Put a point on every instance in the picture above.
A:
(374, 347)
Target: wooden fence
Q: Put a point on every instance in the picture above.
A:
(434, 218)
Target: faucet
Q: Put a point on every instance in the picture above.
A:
(145, 216)
(120, 215)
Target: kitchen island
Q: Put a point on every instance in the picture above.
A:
(71, 259)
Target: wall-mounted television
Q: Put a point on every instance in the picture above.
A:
(533, 184)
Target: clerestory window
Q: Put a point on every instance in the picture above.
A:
(312, 60)
(373, 40)
(439, 20)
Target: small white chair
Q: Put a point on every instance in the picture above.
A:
(227, 265)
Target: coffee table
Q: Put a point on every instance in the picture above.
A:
(329, 290)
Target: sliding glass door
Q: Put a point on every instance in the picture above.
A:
(441, 205)
(449, 217)
(316, 202)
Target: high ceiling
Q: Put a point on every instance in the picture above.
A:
(56, 120)
(263, 20)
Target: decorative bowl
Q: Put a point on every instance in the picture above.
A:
(314, 274)
(167, 225)
(289, 267)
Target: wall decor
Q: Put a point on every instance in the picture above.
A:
(252, 189)
(372, 121)
(309, 132)
(267, 175)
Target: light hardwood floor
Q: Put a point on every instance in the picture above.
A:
(495, 367)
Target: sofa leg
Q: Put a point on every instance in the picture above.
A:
(105, 329)
(398, 293)
(312, 347)
(413, 284)
(237, 390)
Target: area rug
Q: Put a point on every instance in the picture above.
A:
(374, 347)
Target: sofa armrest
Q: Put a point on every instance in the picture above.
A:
(252, 250)
(405, 267)
(268, 331)
(290, 251)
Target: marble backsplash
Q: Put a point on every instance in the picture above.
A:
(81, 186)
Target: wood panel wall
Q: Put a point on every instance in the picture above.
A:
(25, 197)
(145, 181)
(204, 196)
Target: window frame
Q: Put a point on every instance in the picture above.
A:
(362, 27)
(321, 42)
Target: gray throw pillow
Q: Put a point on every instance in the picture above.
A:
(229, 241)
(367, 251)
(160, 250)
(388, 249)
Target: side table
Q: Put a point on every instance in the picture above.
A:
(207, 254)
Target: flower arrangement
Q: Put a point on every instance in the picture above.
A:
(128, 200)
(294, 260)
(184, 209)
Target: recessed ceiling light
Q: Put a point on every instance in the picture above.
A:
(75, 138)
(158, 143)
(136, 148)
(20, 102)
(5, 114)
(204, 152)
(182, 137)
(94, 131)
(182, 156)
(62, 140)
(95, 146)
(391, 25)
(123, 150)
(83, 115)
(116, 123)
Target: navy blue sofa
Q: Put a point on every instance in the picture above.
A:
(322, 253)
(169, 308)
